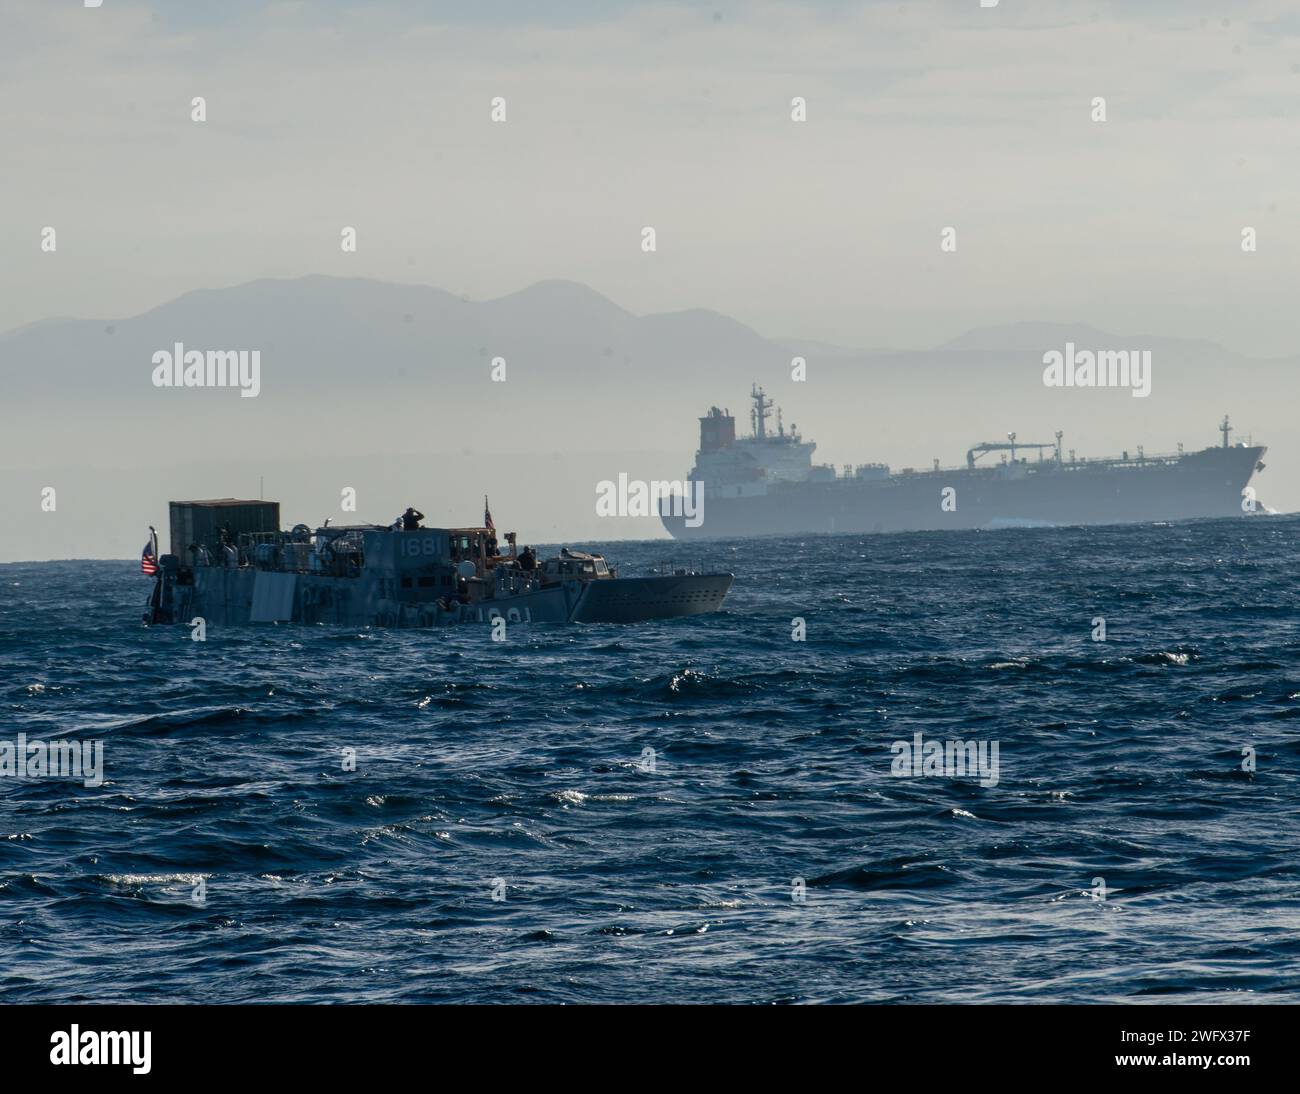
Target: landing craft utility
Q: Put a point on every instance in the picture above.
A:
(231, 564)
(767, 484)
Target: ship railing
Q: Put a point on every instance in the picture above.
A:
(509, 579)
(1090, 462)
(675, 568)
(1140, 460)
(339, 555)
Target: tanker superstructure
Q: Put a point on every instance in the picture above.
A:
(767, 484)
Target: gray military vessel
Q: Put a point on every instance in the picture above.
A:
(231, 564)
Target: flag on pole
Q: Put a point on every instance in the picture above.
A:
(148, 560)
(487, 516)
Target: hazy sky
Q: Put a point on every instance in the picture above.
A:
(920, 116)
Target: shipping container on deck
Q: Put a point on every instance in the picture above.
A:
(200, 522)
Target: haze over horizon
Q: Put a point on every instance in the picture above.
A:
(386, 388)
(988, 335)
(676, 116)
(921, 200)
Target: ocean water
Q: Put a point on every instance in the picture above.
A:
(621, 813)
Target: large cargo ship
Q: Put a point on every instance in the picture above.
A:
(767, 484)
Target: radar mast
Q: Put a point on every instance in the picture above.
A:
(758, 415)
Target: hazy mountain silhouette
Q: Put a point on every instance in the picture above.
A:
(354, 334)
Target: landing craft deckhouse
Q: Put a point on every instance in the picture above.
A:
(230, 564)
(767, 484)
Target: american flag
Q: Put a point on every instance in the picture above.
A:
(487, 516)
(148, 563)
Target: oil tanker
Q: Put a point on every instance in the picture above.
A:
(767, 484)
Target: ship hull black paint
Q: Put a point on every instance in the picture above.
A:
(1209, 483)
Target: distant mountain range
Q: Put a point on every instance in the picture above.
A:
(391, 385)
(321, 322)
(354, 334)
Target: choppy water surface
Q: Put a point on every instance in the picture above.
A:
(521, 770)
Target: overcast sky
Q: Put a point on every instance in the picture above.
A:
(920, 116)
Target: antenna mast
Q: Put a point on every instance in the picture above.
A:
(762, 404)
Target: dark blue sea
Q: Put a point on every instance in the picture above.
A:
(621, 813)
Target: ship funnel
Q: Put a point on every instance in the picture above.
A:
(717, 430)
